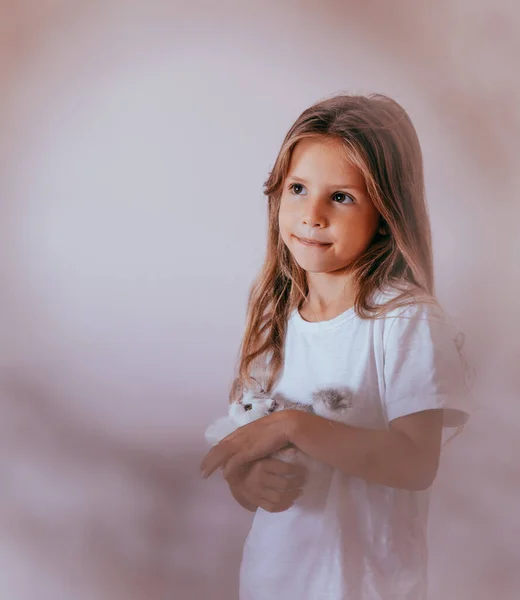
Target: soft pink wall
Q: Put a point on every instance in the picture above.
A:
(135, 141)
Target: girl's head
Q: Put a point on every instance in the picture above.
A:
(324, 198)
(349, 175)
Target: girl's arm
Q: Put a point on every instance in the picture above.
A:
(424, 370)
(405, 456)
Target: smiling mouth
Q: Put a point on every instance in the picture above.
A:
(313, 243)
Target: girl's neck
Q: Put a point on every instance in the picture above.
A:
(328, 296)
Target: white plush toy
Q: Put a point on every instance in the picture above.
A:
(334, 404)
(329, 403)
(246, 410)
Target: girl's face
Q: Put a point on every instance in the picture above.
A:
(326, 217)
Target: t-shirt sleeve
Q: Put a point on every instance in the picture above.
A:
(424, 365)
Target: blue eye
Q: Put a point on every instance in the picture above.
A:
(296, 188)
(342, 198)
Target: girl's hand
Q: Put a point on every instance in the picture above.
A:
(269, 484)
(249, 443)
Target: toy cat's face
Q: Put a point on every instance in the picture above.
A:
(250, 408)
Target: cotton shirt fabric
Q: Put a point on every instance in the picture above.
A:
(345, 538)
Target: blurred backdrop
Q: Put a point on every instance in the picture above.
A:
(135, 138)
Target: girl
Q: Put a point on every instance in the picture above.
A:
(345, 300)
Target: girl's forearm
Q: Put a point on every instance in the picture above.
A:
(385, 457)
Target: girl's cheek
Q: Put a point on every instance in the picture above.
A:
(283, 225)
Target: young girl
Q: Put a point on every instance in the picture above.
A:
(345, 300)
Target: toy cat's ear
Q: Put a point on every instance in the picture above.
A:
(279, 401)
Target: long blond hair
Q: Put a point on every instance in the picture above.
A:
(381, 141)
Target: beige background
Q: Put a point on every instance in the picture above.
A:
(134, 142)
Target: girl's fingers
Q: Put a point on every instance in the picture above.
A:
(208, 464)
(271, 496)
(242, 447)
(216, 457)
(221, 454)
(273, 501)
(235, 463)
(281, 482)
(279, 467)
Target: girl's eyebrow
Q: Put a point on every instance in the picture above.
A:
(340, 185)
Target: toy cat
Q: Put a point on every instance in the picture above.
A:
(334, 404)
(329, 403)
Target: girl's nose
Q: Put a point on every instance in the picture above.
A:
(314, 213)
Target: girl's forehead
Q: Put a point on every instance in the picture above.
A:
(323, 161)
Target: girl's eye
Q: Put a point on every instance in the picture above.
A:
(342, 198)
(296, 188)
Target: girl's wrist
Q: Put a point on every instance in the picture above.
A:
(292, 422)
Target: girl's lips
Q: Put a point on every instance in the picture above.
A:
(314, 243)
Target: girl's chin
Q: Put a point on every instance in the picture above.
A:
(315, 266)
(319, 266)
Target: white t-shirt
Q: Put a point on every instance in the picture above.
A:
(345, 538)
